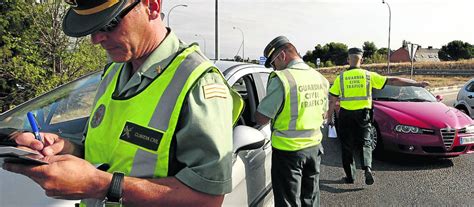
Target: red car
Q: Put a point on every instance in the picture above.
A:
(411, 120)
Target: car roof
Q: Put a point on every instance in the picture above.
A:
(229, 66)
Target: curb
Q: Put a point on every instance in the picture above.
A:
(445, 88)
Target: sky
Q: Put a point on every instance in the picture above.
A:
(307, 23)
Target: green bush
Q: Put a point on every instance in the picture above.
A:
(328, 64)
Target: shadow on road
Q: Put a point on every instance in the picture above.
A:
(324, 185)
(388, 161)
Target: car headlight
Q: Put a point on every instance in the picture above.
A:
(408, 129)
(470, 129)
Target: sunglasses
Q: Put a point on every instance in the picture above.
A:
(273, 60)
(116, 20)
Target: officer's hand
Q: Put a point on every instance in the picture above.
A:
(424, 84)
(52, 145)
(66, 177)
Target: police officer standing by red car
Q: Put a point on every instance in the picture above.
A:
(295, 103)
(353, 88)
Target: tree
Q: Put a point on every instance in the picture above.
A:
(237, 58)
(36, 55)
(383, 51)
(13, 20)
(318, 52)
(337, 53)
(369, 49)
(456, 50)
(308, 56)
(321, 53)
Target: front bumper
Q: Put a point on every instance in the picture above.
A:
(427, 144)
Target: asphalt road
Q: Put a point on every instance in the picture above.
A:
(449, 97)
(400, 180)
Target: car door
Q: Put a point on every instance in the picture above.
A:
(251, 177)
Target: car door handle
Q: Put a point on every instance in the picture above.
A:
(470, 96)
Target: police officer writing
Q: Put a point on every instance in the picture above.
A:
(353, 88)
(296, 102)
(149, 121)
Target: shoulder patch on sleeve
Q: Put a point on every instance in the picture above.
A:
(215, 90)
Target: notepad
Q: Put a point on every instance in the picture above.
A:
(22, 156)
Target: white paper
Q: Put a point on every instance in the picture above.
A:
(332, 132)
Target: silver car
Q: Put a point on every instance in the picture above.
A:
(65, 111)
(465, 100)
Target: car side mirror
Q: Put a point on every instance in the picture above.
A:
(247, 138)
(439, 98)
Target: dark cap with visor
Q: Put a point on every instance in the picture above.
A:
(272, 47)
(88, 16)
(355, 51)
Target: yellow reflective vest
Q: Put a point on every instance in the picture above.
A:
(134, 135)
(354, 88)
(298, 124)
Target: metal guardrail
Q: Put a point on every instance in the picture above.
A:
(445, 72)
(445, 88)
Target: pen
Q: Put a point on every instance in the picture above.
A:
(34, 126)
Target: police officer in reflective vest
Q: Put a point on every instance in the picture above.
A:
(353, 88)
(296, 104)
(149, 120)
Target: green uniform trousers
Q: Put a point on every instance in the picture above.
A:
(354, 133)
(295, 176)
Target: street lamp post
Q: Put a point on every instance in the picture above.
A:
(169, 12)
(389, 28)
(243, 43)
(204, 40)
(217, 31)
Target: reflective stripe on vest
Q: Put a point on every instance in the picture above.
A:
(296, 134)
(355, 98)
(293, 99)
(162, 114)
(297, 126)
(108, 77)
(143, 161)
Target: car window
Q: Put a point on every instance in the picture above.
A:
(64, 111)
(246, 88)
(403, 93)
(261, 80)
(74, 106)
(470, 87)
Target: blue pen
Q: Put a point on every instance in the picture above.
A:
(34, 126)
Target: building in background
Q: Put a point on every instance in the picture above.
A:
(429, 54)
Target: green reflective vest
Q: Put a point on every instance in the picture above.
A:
(134, 135)
(298, 124)
(356, 90)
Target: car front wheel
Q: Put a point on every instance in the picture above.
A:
(377, 145)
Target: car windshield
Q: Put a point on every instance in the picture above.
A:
(64, 110)
(403, 93)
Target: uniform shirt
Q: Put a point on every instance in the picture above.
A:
(201, 146)
(376, 81)
(272, 103)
